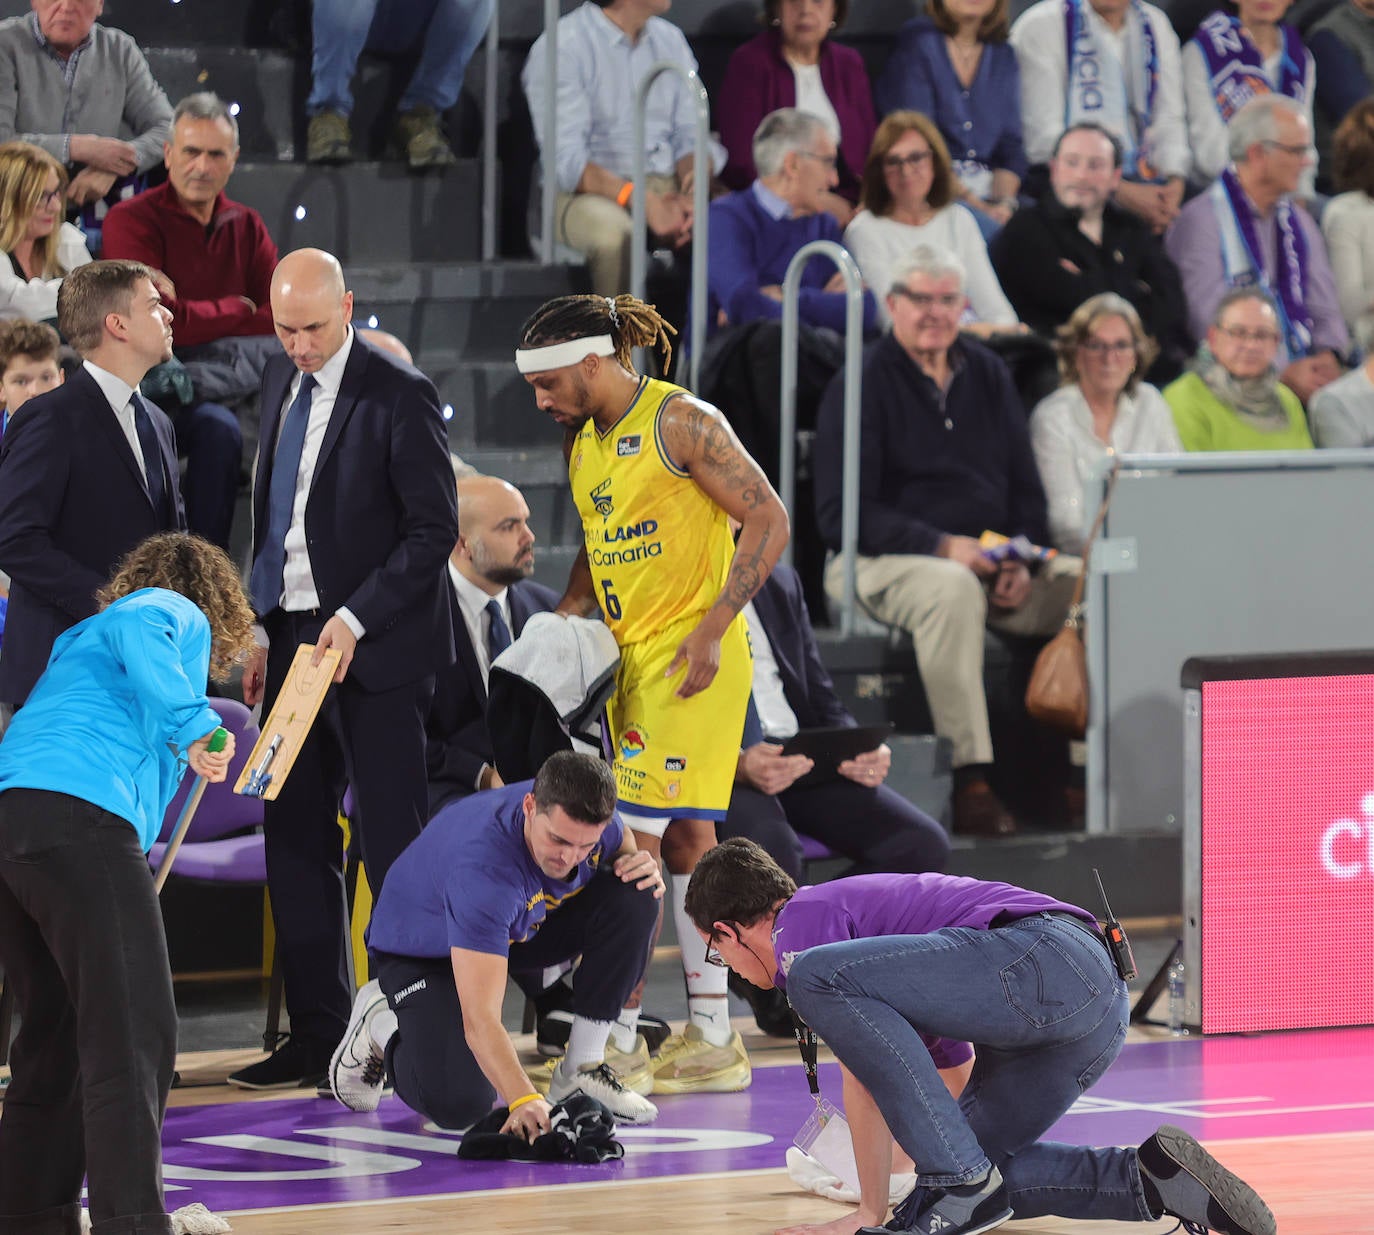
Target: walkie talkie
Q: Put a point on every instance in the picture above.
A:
(1117, 942)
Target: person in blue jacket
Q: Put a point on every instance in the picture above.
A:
(87, 769)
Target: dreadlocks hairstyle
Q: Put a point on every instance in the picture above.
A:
(630, 322)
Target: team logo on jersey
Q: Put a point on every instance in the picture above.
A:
(601, 499)
(675, 764)
(672, 789)
(633, 742)
(627, 446)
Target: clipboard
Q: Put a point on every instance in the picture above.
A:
(289, 722)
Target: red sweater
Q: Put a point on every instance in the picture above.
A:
(211, 266)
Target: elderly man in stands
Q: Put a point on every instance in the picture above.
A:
(605, 49)
(1248, 229)
(756, 232)
(217, 260)
(944, 457)
(1115, 63)
(73, 87)
(1076, 243)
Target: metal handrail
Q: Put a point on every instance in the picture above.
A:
(549, 148)
(701, 187)
(489, 94)
(853, 389)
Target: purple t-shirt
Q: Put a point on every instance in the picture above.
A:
(872, 906)
(468, 880)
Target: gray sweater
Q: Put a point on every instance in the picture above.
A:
(111, 92)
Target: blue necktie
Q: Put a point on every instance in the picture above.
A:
(498, 633)
(269, 566)
(152, 460)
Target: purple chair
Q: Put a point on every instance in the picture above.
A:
(224, 844)
(813, 850)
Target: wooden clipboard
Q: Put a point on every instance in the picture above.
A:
(294, 712)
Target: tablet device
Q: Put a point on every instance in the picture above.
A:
(828, 748)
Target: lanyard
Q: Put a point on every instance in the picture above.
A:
(808, 1045)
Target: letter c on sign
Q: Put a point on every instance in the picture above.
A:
(1334, 868)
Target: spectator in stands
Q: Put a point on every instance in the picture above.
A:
(218, 260)
(605, 49)
(29, 364)
(945, 456)
(1076, 243)
(1103, 408)
(1233, 399)
(444, 32)
(1231, 60)
(1342, 47)
(490, 570)
(1118, 66)
(1248, 229)
(958, 69)
(1348, 222)
(39, 247)
(1342, 414)
(910, 198)
(73, 87)
(796, 64)
(756, 232)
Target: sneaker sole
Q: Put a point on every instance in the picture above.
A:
(732, 1080)
(355, 1027)
(305, 1082)
(1241, 1204)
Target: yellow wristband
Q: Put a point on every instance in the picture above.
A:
(627, 190)
(519, 1102)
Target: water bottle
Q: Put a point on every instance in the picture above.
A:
(1178, 997)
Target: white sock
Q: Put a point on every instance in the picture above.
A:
(708, 1005)
(382, 1027)
(586, 1044)
(625, 1030)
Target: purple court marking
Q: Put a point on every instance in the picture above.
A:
(308, 1151)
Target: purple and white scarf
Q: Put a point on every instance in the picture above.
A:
(1235, 66)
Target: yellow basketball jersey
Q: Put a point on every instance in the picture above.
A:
(659, 549)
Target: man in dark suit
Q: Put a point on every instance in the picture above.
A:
(353, 516)
(87, 470)
(493, 597)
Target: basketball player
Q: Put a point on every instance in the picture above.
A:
(657, 475)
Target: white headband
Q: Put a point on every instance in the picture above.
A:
(560, 355)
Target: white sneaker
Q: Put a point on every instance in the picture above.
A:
(357, 1072)
(601, 1083)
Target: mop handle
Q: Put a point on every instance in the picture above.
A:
(219, 739)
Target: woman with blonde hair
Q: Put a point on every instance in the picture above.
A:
(909, 198)
(39, 248)
(87, 770)
(1101, 408)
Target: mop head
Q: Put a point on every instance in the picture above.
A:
(188, 1220)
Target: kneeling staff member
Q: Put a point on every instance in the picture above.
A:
(519, 878)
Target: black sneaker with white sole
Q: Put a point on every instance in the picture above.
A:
(295, 1064)
(965, 1209)
(1189, 1184)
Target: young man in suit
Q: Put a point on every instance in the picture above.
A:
(493, 597)
(354, 516)
(87, 470)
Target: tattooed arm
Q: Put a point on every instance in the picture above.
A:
(700, 441)
(579, 597)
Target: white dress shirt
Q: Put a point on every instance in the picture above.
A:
(472, 601)
(776, 717)
(1038, 38)
(812, 98)
(120, 396)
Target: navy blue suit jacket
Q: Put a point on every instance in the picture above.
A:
(382, 513)
(72, 503)
(457, 741)
(805, 681)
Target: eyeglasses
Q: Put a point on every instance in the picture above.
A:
(1250, 336)
(829, 161)
(50, 197)
(949, 301)
(713, 957)
(906, 162)
(1298, 152)
(1099, 347)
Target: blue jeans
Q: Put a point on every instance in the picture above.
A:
(446, 32)
(1043, 1006)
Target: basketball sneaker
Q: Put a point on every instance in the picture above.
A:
(1189, 1184)
(965, 1209)
(599, 1082)
(357, 1072)
(688, 1063)
(634, 1068)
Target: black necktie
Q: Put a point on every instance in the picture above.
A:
(152, 459)
(498, 633)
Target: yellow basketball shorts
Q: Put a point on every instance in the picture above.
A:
(676, 757)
